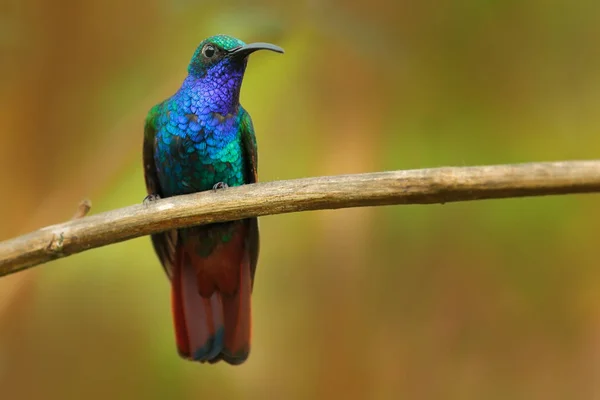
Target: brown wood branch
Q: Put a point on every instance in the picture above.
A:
(422, 186)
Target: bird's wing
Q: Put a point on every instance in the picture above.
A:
(249, 147)
(164, 243)
(251, 165)
(152, 185)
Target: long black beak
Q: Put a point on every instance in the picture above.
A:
(246, 50)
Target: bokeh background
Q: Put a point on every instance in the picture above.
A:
(481, 300)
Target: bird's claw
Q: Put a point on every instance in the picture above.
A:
(220, 185)
(150, 198)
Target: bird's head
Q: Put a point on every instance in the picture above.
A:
(217, 70)
(221, 58)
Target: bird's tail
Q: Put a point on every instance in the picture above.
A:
(211, 301)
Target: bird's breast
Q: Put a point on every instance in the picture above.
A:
(195, 152)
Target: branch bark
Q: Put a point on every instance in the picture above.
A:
(423, 186)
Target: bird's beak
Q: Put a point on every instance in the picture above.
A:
(243, 51)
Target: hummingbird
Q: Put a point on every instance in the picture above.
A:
(202, 139)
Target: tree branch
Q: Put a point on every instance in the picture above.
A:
(423, 186)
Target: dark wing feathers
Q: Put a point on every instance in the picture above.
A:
(249, 147)
(251, 160)
(164, 243)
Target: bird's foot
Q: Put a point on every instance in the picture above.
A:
(220, 185)
(150, 198)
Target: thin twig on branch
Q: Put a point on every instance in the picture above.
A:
(83, 209)
(423, 186)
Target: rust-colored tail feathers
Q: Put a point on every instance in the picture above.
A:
(211, 300)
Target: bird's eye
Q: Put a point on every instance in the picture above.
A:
(209, 51)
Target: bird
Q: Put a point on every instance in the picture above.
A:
(202, 139)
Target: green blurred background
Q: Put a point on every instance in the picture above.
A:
(481, 300)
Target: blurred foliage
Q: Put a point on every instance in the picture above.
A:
(494, 300)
